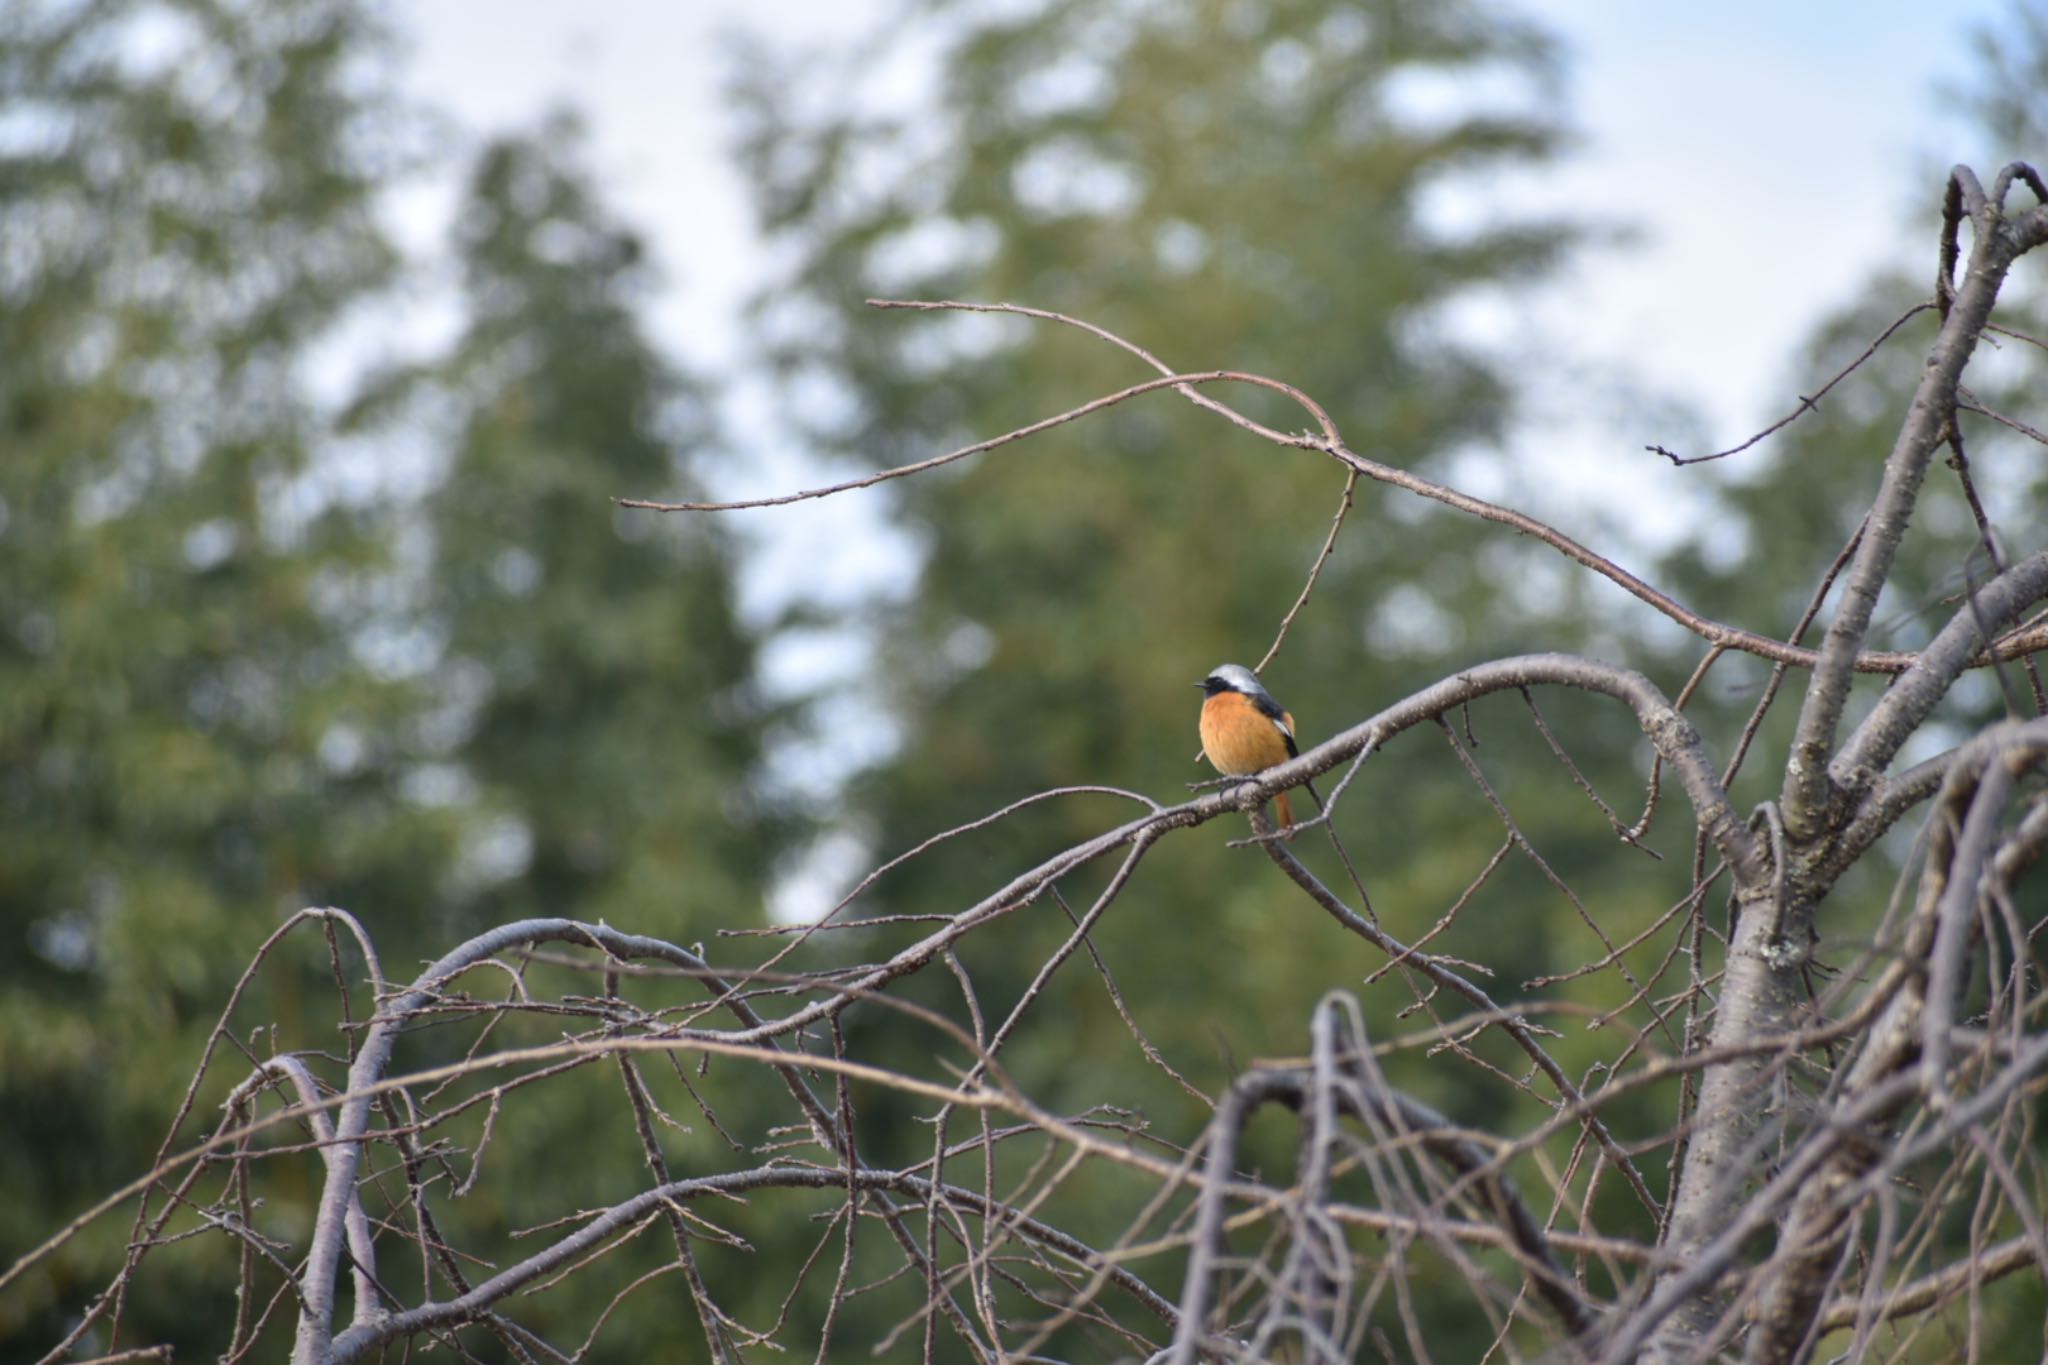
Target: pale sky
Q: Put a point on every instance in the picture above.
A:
(1722, 129)
(1770, 153)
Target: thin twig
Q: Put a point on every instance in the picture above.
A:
(1806, 404)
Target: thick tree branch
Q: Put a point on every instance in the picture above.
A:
(1809, 791)
(1910, 700)
(362, 1248)
(1914, 1025)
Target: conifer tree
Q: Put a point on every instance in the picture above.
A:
(189, 742)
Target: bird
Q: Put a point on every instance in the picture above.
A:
(1244, 730)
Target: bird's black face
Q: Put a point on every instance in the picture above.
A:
(1212, 684)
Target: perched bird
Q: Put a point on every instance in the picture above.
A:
(1245, 731)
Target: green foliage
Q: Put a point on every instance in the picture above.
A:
(185, 207)
(2007, 93)
(227, 690)
(605, 685)
(599, 681)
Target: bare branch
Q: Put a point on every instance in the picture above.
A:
(1806, 404)
(1714, 632)
(1899, 713)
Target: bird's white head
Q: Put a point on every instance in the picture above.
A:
(1232, 678)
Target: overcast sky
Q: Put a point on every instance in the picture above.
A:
(1722, 129)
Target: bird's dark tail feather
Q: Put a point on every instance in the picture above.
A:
(1286, 809)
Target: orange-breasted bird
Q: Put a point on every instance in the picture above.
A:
(1245, 731)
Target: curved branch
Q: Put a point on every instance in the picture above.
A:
(362, 1248)
(313, 1342)
(366, 1082)
(1184, 382)
(1366, 1098)
(359, 1341)
(1674, 737)
(1329, 443)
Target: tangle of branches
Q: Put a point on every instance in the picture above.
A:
(1844, 1153)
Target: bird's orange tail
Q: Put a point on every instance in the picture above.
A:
(1286, 813)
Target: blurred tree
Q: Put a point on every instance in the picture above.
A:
(2006, 92)
(597, 679)
(189, 743)
(226, 689)
(595, 691)
(1256, 186)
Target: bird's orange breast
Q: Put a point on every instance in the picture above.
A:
(1239, 738)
